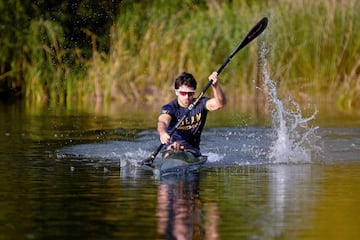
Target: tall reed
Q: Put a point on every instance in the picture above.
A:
(145, 62)
(314, 50)
(46, 73)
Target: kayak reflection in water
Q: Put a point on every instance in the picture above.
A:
(187, 135)
(180, 213)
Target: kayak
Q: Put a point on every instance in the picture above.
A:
(179, 163)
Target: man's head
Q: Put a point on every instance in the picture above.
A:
(185, 85)
(186, 79)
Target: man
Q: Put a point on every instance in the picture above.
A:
(188, 134)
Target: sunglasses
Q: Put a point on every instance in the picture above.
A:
(184, 93)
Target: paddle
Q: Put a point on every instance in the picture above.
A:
(252, 34)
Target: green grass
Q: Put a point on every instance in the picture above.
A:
(314, 51)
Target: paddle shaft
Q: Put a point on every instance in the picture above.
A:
(252, 34)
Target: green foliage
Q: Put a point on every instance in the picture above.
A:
(45, 43)
(46, 67)
(13, 28)
(132, 50)
(152, 47)
(149, 55)
(316, 50)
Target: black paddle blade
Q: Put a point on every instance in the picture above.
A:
(151, 159)
(148, 161)
(251, 35)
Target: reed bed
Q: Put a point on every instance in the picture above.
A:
(314, 50)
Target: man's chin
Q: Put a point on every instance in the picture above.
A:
(184, 104)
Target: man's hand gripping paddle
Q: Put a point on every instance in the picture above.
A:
(252, 34)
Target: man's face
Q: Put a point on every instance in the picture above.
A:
(185, 95)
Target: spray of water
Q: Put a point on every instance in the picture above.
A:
(294, 140)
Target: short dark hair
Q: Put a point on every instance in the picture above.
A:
(186, 79)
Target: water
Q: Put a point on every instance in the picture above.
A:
(62, 178)
(294, 140)
(70, 174)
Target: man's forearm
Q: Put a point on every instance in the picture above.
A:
(161, 128)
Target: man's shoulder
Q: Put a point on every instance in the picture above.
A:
(202, 102)
(169, 107)
(173, 103)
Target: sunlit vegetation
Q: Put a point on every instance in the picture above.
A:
(75, 51)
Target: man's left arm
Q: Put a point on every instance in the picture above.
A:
(219, 99)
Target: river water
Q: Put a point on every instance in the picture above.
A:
(71, 172)
(68, 174)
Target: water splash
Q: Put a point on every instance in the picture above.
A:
(294, 140)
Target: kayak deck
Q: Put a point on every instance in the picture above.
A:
(179, 163)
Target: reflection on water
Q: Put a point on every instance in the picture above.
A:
(299, 200)
(291, 200)
(66, 176)
(180, 211)
(285, 201)
(179, 208)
